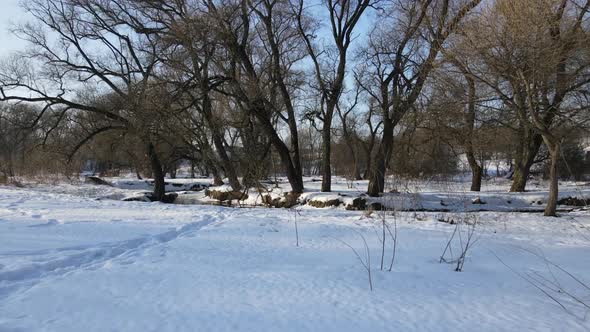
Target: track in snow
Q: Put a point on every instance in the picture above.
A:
(88, 257)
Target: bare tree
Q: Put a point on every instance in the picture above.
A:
(399, 61)
(330, 66)
(102, 45)
(539, 68)
(249, 77)
(347, 119)
(189, 51)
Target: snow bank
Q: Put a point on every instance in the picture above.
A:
(70, 263)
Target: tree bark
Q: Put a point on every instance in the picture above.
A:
(172, 170)
(528, 148)
(356, 173)
(368, 148)
(469, 129)
(381, 161)
(476, 172)
(326, 156)
(293, 174)
(157, 173)
(229, 169)
(217, 180)
(551, 208)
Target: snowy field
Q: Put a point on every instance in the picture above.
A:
(72, 262)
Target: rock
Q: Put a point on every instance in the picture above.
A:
(289, 200)
(273, 202)
(143, 198)
(477, 200)
(169, 198)
(574, 201)
(197, 187)
(447, 220)
(323, 204)
(97, 181)
(226, 195)
(358, 203)
(149, 197)
(376, 206)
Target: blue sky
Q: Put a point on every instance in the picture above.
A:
(10, 12)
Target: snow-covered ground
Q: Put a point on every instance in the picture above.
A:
(73, 260)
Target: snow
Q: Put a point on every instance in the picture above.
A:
(412, 195)
(72, 260)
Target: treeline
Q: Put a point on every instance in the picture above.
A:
(244, 90)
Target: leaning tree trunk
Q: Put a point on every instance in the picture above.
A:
(528, 148)
(157, 173)
(217, 181)
(212, 169)
(380, 161)
(293, 174)
(217, 135)
(551, 208)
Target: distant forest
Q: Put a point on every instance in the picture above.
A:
(245, 90)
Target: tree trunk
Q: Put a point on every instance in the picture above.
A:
(212, 168)
(217, 180)
(528, 148)
(368, 159)
(551, 208)
(326, 152)
(157, 173)
(173, 169)
(381, 160)
(293, 174)
(469, 129)
(476, 179)
(356, 173)
(229, 169)
(476, 174)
